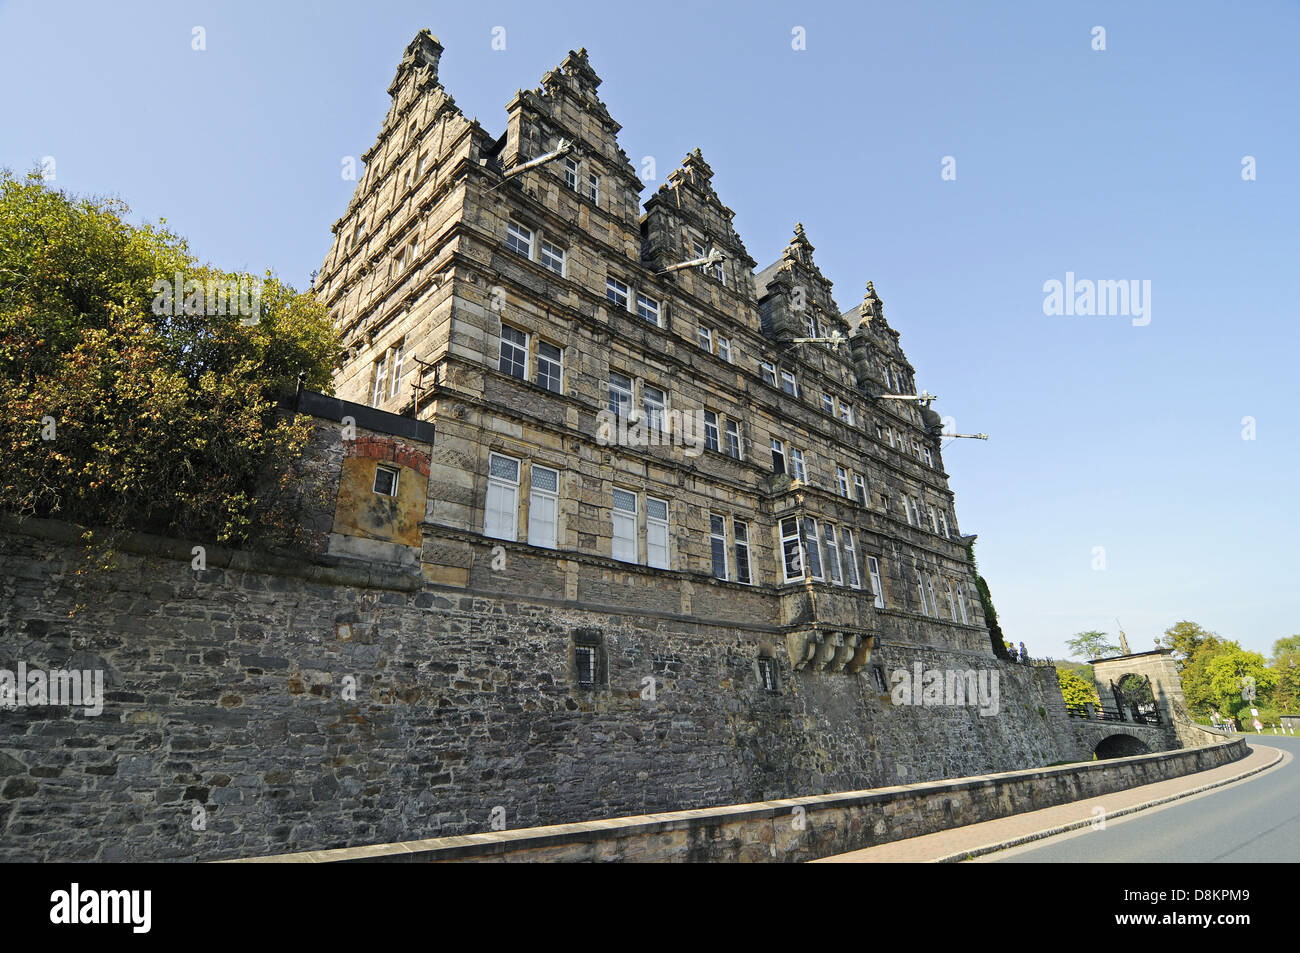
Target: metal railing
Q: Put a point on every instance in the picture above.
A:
(1102, 713)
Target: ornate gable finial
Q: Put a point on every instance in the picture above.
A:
(577, 65)
(873, 309)
(799, 249)
(421, 55)
(699, 169)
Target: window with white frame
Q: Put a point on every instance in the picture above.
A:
(740, 532)
(620, 394)
(552, 257)
(550, 367)
(501, 510)
(724, 349)
(616, 292)
(656, 532)
(812, 548)
(571, 173)
(593, 187)
(929, 457)
(929, 588)
(734, 443)
(399, 355)
(544, 507)
(920, 588)
(889, 435)
(766, 676)
(514, 352)
(718, 545)
(850, 559)
(828, 404)
(943, 525)
(934, 519)
(788, 383)
(710, 430)
(961, 605)
(832, 547)
(624, 537)
(654, 403)
(846, 412)
(878, 587)
(791, 549)
(422, 164)
(768, 373)
(860, 488)
(519, 239)
(647, 308)
(385, 483)
(952, 601)
(704, 338)
(778, 455)
(800, 468)
(842, 481)
(381, 381)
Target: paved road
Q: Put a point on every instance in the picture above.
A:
(1252, 821)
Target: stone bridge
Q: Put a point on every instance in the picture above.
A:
(1153, 683)
(1121, 739)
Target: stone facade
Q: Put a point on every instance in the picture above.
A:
(508, 304)
(539, 623)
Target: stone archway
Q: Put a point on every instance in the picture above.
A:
(1119, 746)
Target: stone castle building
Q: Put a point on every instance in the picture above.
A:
(594, 534)
(535, 311)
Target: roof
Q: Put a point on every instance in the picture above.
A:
(764, 277)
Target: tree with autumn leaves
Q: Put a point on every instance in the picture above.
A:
(119, 413)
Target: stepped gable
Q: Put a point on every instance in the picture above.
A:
(687, 204)
(794, 296)
(567, 106)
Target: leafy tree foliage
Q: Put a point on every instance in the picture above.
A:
(1000, 645)
(1075, 689)
(1185, 638)
(125, 411)
(1287, 646)
(1091, 644)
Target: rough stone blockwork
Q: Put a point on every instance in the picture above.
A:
(226, 692)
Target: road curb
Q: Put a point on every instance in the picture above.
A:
(1076, 825)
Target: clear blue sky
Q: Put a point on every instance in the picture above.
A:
(1122, 164)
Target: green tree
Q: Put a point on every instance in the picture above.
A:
(1287, 646)
(1074, 689)
(123, 410)
(1185, 638)
(1091, 644)
(1286, 682)
(1238, 679)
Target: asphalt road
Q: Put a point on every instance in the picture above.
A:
(1252, 821)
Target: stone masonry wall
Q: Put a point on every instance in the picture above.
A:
(227, 704)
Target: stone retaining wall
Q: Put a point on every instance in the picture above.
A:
(798, 829)
(265, 705)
